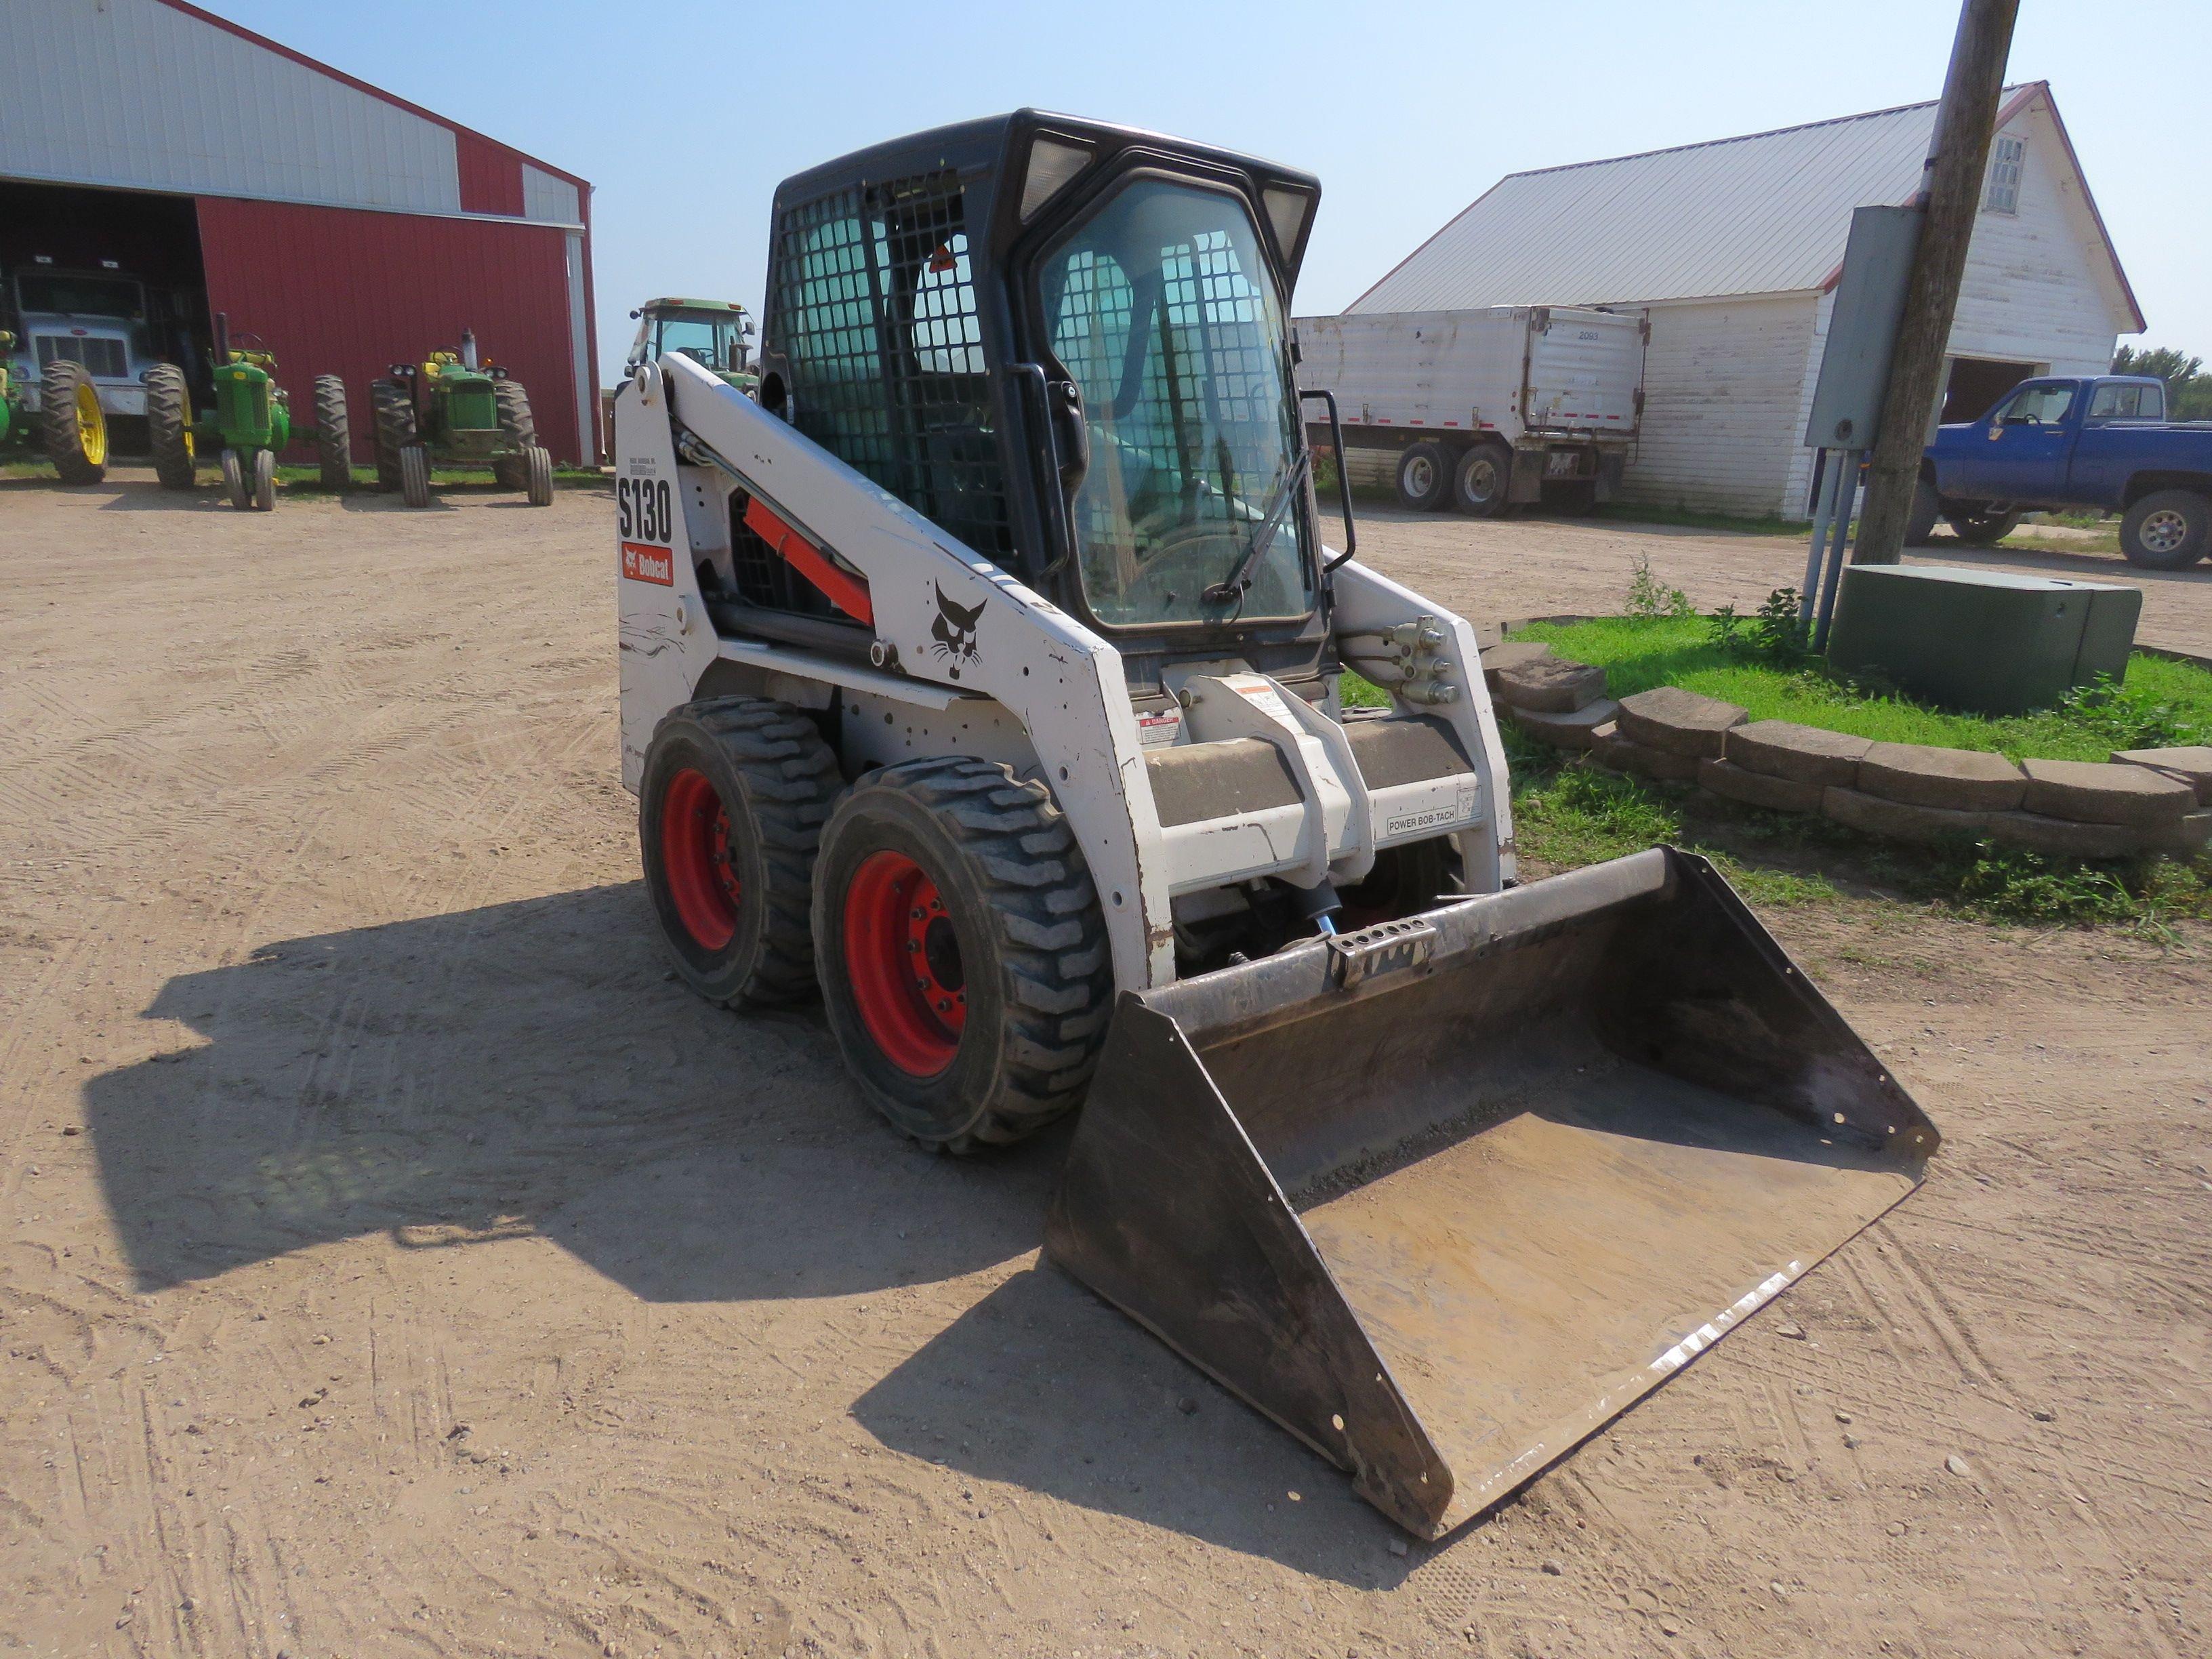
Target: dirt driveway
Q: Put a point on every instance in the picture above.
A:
(1548, 566)
(392, 1261)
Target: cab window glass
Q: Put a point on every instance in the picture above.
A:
(2128, 403)
(2037, 405)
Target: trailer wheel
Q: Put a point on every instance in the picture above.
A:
(1424, 475)
(962, 950)
(1479, 482)
(169, 427)
(1981, 529)
(234, 480)
(2167, 529)
(510, 469)
(538, 470)
(1920, 518)
(333, 432)
(393, 406)
(415, 475)
(730, 811)
(264, 481)
(75, 426)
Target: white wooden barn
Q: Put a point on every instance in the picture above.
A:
(1734, 248)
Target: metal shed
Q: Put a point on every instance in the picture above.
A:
(1734, 248)
(345, 226)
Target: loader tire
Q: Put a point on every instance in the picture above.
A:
(1406, 879)
(730, 810)
(962, 950)
(333, 432)
(169, 427)
(75, 426)
(393, 407)
(511, 470)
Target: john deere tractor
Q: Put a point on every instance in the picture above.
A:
(711, 334)
(459, 410)
(250, 424)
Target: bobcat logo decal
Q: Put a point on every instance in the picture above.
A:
(953, 633)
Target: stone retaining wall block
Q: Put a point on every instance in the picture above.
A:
(1679, 722)
(1759, 788)
(1954, 779)
(1803, 754)
(1896, 820)
(2099, 791)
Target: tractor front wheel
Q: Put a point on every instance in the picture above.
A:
(730, 811)
(538, 466)
(415, 475)
(234, 480)
(392, 406)
(333, 432)
(962, 950)
(75, 426)
(169, 427)
(264, 481)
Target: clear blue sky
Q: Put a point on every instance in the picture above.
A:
(685, 113)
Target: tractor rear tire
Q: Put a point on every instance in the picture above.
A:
(169, 427)
(333, 432)
(511, 470)
(415, 475)
(730, 811)
(75, 426)
(234, 480)
(962, 950)
(1424, 477)
(539, 467)
(264, 481)
(392, 406)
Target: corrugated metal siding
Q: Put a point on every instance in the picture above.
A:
(1723, 404)
(491, 176)
(1759, 215)
(548, 198)
(130, 93)
(353, 292)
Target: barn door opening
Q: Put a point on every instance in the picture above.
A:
(1977, 383)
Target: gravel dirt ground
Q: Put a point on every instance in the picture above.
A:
(1539, 566)
(393, 1261)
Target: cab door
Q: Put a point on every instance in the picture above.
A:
(2020, 455)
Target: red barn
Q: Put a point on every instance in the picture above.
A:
(346, 228)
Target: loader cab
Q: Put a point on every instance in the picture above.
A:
(1069, 344)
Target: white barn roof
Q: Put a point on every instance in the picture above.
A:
(1764, 214)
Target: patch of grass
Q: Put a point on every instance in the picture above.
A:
(1359, 692)
(1647, 512)
(2160, 702)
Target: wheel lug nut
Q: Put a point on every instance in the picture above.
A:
(913, 944)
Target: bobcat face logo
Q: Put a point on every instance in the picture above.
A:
(952, 635)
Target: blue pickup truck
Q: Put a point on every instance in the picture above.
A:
(2099, 442)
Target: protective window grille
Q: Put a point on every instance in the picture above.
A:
(876, 312)
(100, 357)
(2006, 159)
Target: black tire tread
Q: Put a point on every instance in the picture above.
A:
(792, 776)
(57, 386)
(1058, 969)
(168, 425)
(510, 470)
(334, 439)
(393, 408)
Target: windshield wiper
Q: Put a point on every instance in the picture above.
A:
(1240, 574)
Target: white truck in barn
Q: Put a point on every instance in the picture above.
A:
(1481, 410)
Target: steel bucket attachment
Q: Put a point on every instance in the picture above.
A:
(1443, 1196)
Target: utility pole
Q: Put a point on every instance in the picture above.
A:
(1951, 189)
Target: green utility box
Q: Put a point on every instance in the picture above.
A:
(1982, 641)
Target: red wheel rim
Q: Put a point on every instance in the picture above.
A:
(695, 854)
(903, 961)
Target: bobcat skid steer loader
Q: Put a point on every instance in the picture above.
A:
(987, 673)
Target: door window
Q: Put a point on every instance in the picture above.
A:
(2036, 406)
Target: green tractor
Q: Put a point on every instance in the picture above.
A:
(463, 411)
(250, 424)
(711, 332)
(15, 419)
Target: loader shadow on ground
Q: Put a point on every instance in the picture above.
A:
(1114, 1436)
(528, 1067)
